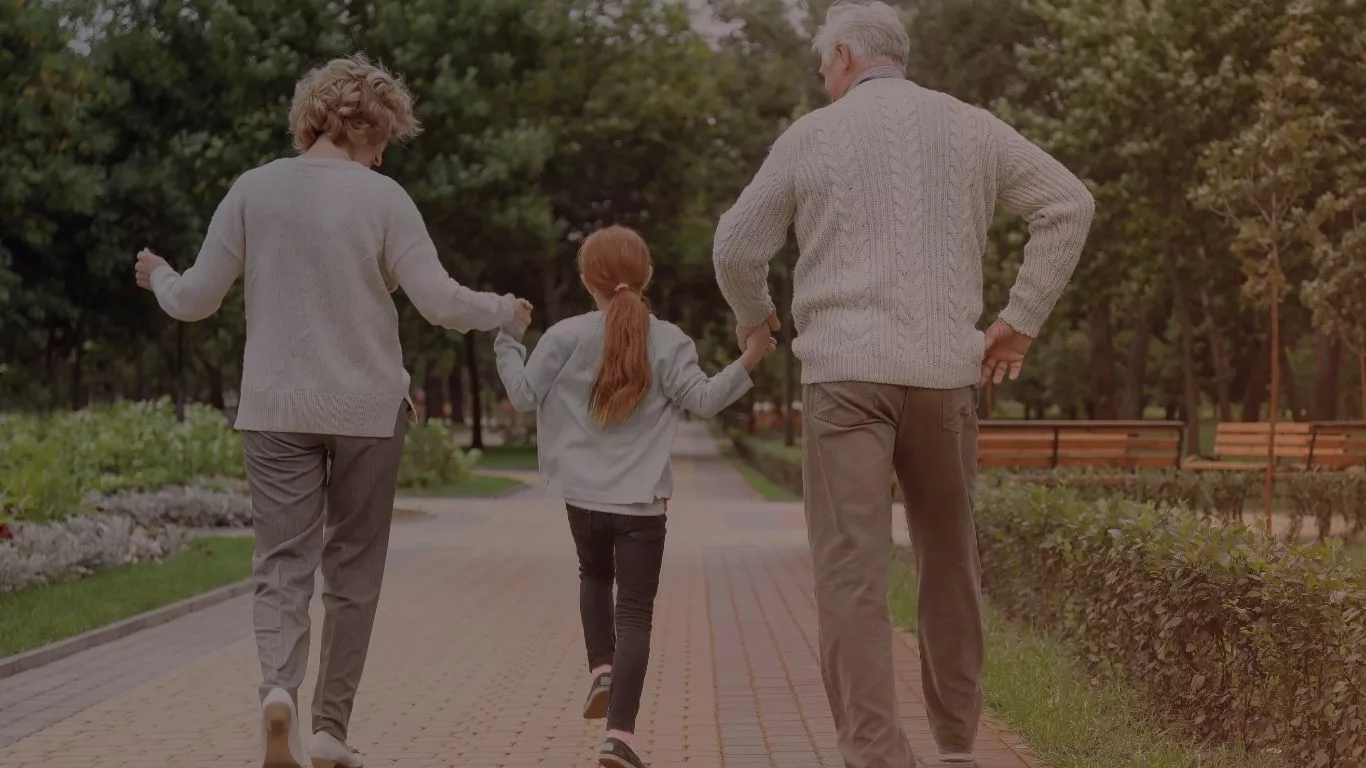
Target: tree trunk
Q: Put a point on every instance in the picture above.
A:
(1103, 375)
(1288, 385)
(1136, 371)
(49, 374)
(431, 387)
(1223, 374)
(456, 383)
(180, 372)
(1327, 371)
(1361, 379)
(215, 374)
(476, 413)
(78, 375)
(1189, 385)
(1254, 395)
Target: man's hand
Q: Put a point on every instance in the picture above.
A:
(1005, 355)
(521, 317)
(758, 345)
(148, 263)
(743, 332)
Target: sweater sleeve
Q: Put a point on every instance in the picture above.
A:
(1059, 208)
(199, 292)
(688, 386)
(411, 262)
(527, 381)
(751, 232)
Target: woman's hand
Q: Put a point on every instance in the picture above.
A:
(521, 317)
(148, 263)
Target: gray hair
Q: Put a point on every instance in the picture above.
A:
(873, 31)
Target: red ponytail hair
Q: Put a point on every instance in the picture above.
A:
(615, 263)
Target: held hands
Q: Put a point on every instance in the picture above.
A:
(757, 345)
(771, 324)
(521, 317)
(1005, 355)
(148, 263)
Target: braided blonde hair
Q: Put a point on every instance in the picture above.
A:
(352, 102)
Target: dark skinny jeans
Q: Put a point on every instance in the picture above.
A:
(627, 550)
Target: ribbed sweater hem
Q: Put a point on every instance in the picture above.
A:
(318, 413)
(829, 369)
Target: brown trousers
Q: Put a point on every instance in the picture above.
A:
(320, 501)
(856, 434)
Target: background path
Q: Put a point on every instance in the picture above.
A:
(478, 659)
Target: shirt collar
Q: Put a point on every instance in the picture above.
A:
(877, 73)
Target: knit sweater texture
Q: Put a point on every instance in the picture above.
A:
(892, 190)
(323, 243)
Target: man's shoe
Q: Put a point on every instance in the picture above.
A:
(598, 697)
(280, 747)
(615, 754)
(956, 758)
(330, 752)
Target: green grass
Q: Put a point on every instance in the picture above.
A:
(35, 617)
(509, 457)
(475, 486)
(1036, 688)
(758, 481)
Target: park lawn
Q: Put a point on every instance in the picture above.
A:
(32, 618)
(474, 487)
(509, 457)
(1042, 694)
(758, 481)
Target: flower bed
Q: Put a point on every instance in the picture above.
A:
(38, 554)
(1232, 635)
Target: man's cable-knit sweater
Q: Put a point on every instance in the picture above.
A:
(892, 190)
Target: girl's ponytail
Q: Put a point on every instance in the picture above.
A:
(615, 263)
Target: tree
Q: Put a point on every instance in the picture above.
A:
(1262, 181)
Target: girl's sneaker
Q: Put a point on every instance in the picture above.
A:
(598, 697)
(615, 754)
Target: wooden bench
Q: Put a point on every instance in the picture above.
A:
(1097, 444)
(1338, 445)
(1240, 446)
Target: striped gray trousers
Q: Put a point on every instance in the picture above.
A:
(320, 500)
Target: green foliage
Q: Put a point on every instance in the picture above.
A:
(48, 466)
(1240, 638)
(777, 462)
(1325, 496)
(431, 458)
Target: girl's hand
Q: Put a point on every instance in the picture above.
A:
(148, 263)
(758, 345)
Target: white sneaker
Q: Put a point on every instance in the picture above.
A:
(280, 746)
(328, 752)
(955, 758)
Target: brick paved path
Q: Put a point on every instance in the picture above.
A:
(477, 657)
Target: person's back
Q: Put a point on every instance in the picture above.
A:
(608, 388)
(892, 189)
(323, 242)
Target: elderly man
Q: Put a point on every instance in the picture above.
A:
(892, 189)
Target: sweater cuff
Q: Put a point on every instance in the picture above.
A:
(1024, 320)
(507, 314)
(753, 315)
(161, 277)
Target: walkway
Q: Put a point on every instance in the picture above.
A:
(477, 655)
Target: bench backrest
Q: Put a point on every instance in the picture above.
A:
(1129, 447)
(1239, 441)
(1338, 446)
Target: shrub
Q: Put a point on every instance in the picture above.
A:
(1325, 496)
(49, 464)
(41, 554)
(1247, 640)
(190, 507)
(431, 457)
(780, 463)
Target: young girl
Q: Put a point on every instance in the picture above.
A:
(608, 388)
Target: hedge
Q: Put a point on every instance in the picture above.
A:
(1232, 635)
(778, 462)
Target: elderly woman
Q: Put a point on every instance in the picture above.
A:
(323, 240)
